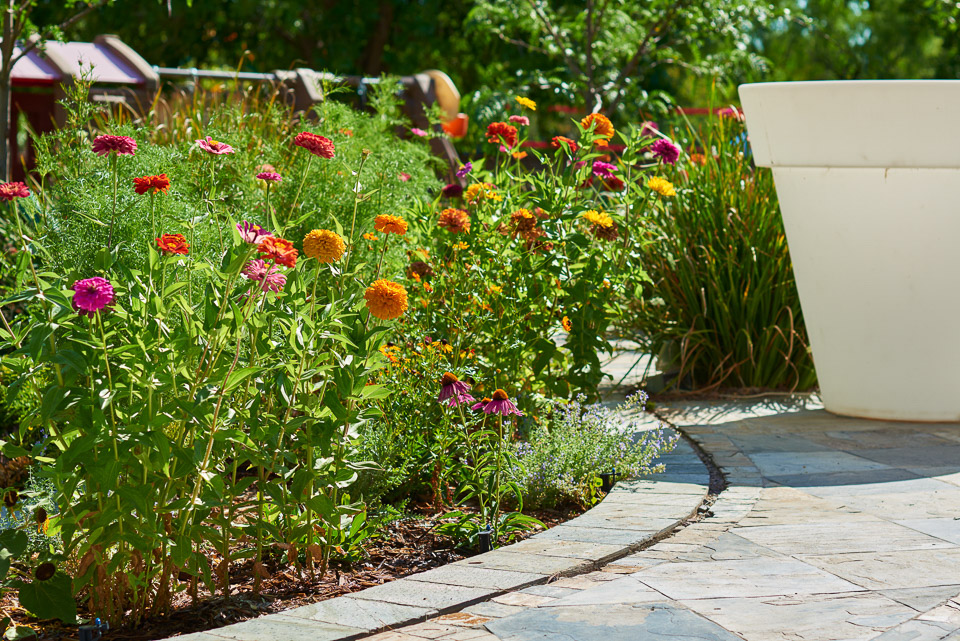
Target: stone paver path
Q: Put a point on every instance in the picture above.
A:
(831, 529)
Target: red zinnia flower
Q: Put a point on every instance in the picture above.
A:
(557, 143)
(501, 132)
(316, 145)
(123, 145)
(9, 191)
(280, 250)
(152, 184)
(169, 244)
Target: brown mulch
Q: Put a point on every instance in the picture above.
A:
(404, 547)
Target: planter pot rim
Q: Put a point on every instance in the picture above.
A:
(854, 123)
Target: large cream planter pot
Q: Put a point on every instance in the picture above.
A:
(868, 177)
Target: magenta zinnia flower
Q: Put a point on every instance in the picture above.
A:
(9, 191)
(666, 151)
(501, 404)
(520, 120)
(452, 190)
(214, 147)
(251, 233)
(123, 145)
(274, 281)
(91, 295)
(603, 169)
(453, 391)
(269, 176)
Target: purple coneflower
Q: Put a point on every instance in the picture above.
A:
(465, 169)
(453, 391)
(123, 145)
(665, 151)
(520, 120)
(603, 169)
(501, 404)
(480, 405)
(251, 233)
(91, 295)
(270, 176)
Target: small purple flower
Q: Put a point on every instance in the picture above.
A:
(452, 190)
(649, 128)
(251, 233)
(520, 120)
(603, 169)
(91, 295)
(269, 176)
(501, 404)
(418, 132)
(465, 169)
(666, 151)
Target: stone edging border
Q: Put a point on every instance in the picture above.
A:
(632, 516)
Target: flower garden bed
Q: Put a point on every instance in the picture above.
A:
(247, 339)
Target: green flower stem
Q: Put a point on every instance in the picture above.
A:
(296, 199)
(113, 216)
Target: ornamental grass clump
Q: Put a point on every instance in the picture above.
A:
(721, 308)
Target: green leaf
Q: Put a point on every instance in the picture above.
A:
(50, 599)
(240, 375)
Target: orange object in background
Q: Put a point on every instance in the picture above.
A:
(457, 128)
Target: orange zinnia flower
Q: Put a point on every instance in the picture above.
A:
(602, 125)
(279, 250)
(324, 245)
(385, 299)
(169, 244)
(557, 143)
(390, 224)
(152, 184)
(454, 220)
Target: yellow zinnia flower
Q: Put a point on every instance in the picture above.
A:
(526, 102)
(390, 224)
(661, 186)
(386, 299)
(478, 191)
(324, 245)
(598, 218)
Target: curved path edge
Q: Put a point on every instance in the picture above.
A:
(632, 516)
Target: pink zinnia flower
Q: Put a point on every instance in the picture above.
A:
(453, 391)
(270, 279)
(123, 145)
(91, 295)
(315, 144)
(403, 176)
(251, 233)
(9, 191)
(214, 147)
(665, 151)
(418, 132)
(269, 176)
(520, 120)
(501, 404)
(603, 169)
